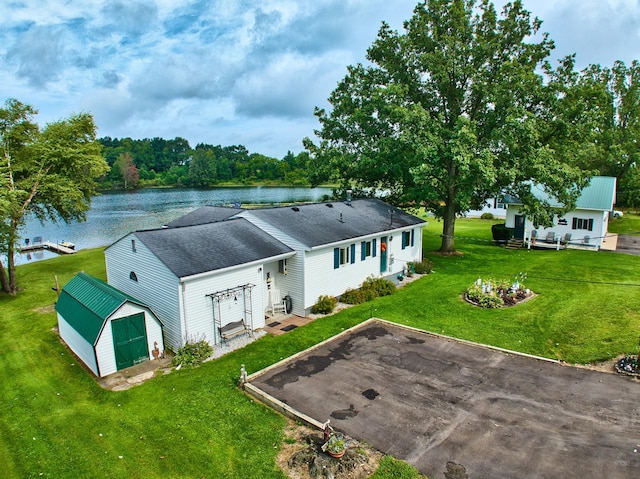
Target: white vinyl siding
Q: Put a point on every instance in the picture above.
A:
(321, 276)
(105, 348)
(156, 285)
(581, 236)
(199, 308)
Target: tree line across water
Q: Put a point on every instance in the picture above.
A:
(161, 162)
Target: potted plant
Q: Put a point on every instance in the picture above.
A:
(335, 445)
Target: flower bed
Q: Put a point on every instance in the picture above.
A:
(628, 365)
(491, 293)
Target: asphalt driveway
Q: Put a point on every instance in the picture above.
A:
(628, 244)
(458, 410)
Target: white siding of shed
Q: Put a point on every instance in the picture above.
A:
(105, 347)
(156, 285)
(78, 344)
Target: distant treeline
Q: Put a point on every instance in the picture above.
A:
(160, 162)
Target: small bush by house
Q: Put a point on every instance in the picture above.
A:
(192, 354)
(371, 289)
(423, 267)
(325, 305)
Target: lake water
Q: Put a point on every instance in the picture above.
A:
(115, 214)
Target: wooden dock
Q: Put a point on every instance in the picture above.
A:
(59, 248)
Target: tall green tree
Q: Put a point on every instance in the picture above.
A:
(49, 173)
(447, 114)
(202, 168)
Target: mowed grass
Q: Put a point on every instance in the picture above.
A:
(55, 421)
(629, 224)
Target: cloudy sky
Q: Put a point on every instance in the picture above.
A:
(232, 71)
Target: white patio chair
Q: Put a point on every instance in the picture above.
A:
(278, 304)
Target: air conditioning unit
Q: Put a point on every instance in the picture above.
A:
(282, 266)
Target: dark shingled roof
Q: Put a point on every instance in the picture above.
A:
(325, 223)
(204, 215)
(197, 249)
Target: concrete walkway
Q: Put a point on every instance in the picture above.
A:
(450, 406)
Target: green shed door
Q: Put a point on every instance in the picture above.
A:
(130, 340)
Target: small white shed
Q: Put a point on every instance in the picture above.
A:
(106, 328)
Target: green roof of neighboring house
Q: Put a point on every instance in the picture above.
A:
(599, 194)
(86, 303)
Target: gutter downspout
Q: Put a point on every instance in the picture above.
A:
(184, 313)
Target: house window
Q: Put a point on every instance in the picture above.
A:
(365, 250)
(133, 276)
(582, 224)
(133, 245)
(406, 239)
(342, 256)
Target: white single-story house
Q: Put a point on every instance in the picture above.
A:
(495, 206)
(218, 269)
(107, 329)
(585, 226)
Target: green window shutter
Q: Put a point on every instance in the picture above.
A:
(591, 224)
(374, 252)
(363, 250)
(412, 237)
(353, 253)
(336, 258)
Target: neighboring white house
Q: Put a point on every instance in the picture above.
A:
(218, 266)
(585, 226)
(106, 329)
(495, 206)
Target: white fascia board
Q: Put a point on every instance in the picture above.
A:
(185, 279)
(367, 237)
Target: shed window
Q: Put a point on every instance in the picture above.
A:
(133, 276)
(133, 245)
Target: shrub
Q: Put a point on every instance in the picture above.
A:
(486, 216)
(192, 354)
(325, 305)
(353, 296)
(375, 287)
(423, 267)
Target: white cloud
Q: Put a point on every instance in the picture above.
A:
(232, 71)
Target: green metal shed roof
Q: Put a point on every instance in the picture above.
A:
(599, 194)
(86, 303)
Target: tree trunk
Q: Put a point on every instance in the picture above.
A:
(4, 282)
(449, 220)
(13, 287)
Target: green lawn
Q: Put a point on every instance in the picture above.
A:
(629, 224)
(55, 421)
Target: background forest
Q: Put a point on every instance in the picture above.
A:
(160, 162)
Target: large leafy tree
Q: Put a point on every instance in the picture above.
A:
(448, 113)
(48, 173)
(614, 97)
